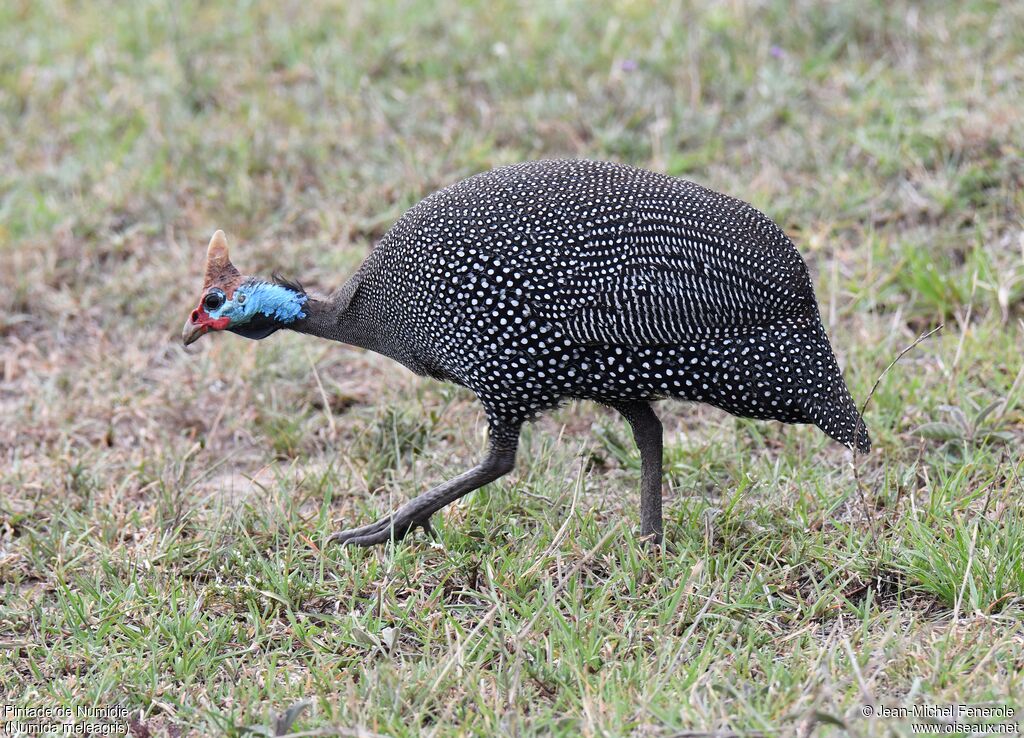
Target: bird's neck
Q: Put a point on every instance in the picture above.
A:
(333, 318)
(282, 303)
(338, 317)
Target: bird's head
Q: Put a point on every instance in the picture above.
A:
(248, 306)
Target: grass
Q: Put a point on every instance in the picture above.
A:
(163, 511)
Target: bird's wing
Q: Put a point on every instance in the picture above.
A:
(654, 283)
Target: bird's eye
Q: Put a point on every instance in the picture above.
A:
(213, 300)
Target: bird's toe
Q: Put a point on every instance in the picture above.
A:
(390, 527)
(349, 535)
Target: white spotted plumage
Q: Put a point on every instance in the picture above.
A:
(561, 279)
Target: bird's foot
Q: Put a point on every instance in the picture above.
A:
(393, 527)
(652, 542)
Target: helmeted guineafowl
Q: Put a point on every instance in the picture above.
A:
(534, 283)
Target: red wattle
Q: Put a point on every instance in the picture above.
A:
(201, 317)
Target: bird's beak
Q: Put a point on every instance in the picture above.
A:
(192, 331)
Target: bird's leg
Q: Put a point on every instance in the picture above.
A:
(500, 459)
(648, 435)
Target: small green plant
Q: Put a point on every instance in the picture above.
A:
(967, 428)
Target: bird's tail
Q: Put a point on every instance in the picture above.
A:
(830, 406)
(839, 418)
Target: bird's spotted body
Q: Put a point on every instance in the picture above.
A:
(542, 281)
(538, 282)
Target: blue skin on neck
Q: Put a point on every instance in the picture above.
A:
(275, 301)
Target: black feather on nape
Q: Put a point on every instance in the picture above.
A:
(289, 283)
